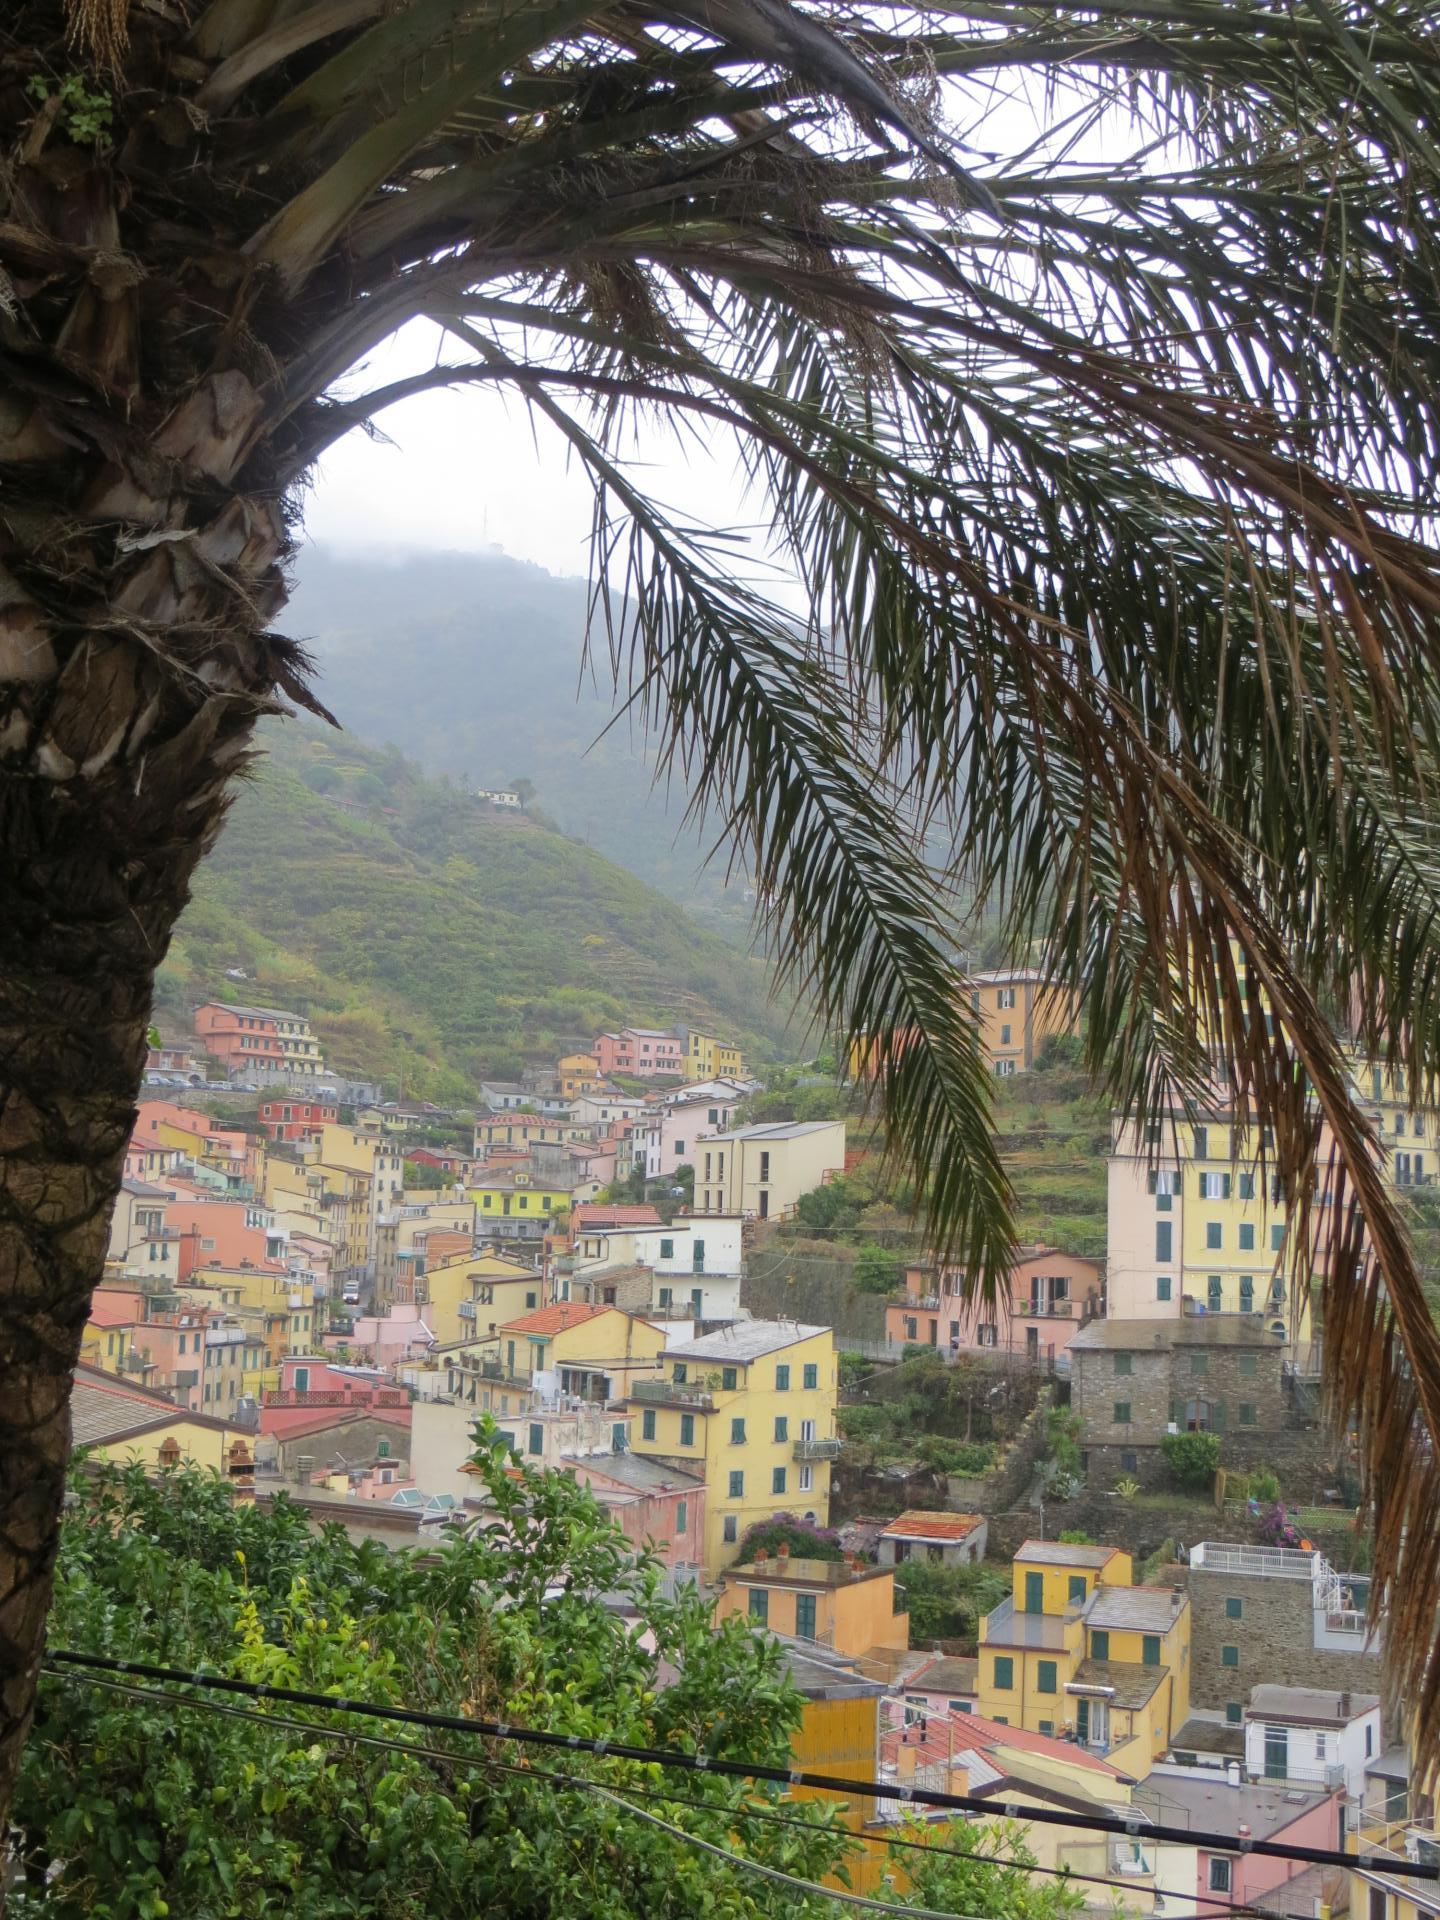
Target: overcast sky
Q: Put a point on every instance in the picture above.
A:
(470, 469)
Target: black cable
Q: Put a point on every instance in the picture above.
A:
(1132, 1826)
(282, 1723)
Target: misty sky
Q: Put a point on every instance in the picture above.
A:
(470, 469)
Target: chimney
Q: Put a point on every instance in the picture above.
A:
(1232, 1773)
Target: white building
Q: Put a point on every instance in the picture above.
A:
(692, 1267)
(1311, 1736)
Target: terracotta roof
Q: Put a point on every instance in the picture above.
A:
(324, 1418)
(917, 1524)
(593, 1214)
(955, 1733)
(555, 1319)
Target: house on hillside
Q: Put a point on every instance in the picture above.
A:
(763, 1171)
(940, 1539)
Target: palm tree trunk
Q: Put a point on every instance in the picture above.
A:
(88, 914)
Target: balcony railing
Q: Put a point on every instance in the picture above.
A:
(674, 1393)
(818, 1449)
(1043, 1309)
(1009, 1626)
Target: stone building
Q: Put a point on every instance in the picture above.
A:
(1132, 1381)
(1277, 1615)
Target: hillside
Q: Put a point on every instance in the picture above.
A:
(471, 665)
(430, 938)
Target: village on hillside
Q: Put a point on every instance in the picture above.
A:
(1082, 1548)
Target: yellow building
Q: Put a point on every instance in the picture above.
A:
(577, 1073)
(752, 1410)
(1409, 1139)
(851, 1609)
(1077, 1650)
(1396, 1822)
(1195, 1214)
(120, 1422)
(520, 1195)
(286, 1298)
(479, 1290)
(707, 1058)
(594, 1353)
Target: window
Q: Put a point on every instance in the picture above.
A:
(1004, 1672)
(1045, 1677)
(687, 1429)
(1247, 1236)
(1202, 1143)
(759, 1606)
(1164, 1240)
(302, 1379)
(1047, 1726)
(1162, 1287)
(1230, 1656)
(811, 1376)
(960, 1706)
(1121, 1415)
(1076, 1594)
(665, 1296)
(729, 1379)
(531, 1300)
(912, 1327)
(1247, 1186)
(667, 1249)
(647, 1424)
(1234, 1609)
(1379, 1904)
(1214, 1186)
(1247, 1413)
(777, 1479)
(1150, 1650)
(737, 1486)
(1199, 1363)
(680, 1149)
(737, 1433)
(1233, 1713)
(1215, 1292)
(782, 1429)
(804, 1616)
(1005, 997)
(764, 1166)
(1129, 1462)
(1219, 1873)
(679, 1375)
(782, 1379)
(1099, 1644)
(1322, 1751)
(1249, 1365)
(1214, 1235)
(730, 1529)
(1004, 1036)
(807, 1479)
(1247, 1289)
(1124, 1363)
(1277, 1237)
(682, 1516)
(988, 1334)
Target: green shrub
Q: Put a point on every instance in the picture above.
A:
(1076, 1537)
(1264, 1487)
(1192, 1458)
(969, 1457)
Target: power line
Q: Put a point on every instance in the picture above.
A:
(576, 1782)
(1132, 1825)
(668, 1796)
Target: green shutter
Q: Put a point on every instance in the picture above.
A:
(1045, 1677)
(1004, 1673)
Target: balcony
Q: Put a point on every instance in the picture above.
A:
(466, 1309)
(818, 1449)
(1009, 1626)
(673, 1393)
(1043, 1309)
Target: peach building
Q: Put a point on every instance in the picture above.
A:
(1051, 1295)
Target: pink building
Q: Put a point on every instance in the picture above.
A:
(642, 1051)
(385, 1339)
(223, 1233)
(652, 1504)
(1219, 1801)
(1052, 1294)
(671, 1132)
(310, 1385)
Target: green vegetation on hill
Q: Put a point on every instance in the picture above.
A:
(472, 664)
(430, 938)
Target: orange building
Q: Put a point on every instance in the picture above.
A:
(222, 1233)
(1016, 1009)
(842, 1604)
(264, 1042)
